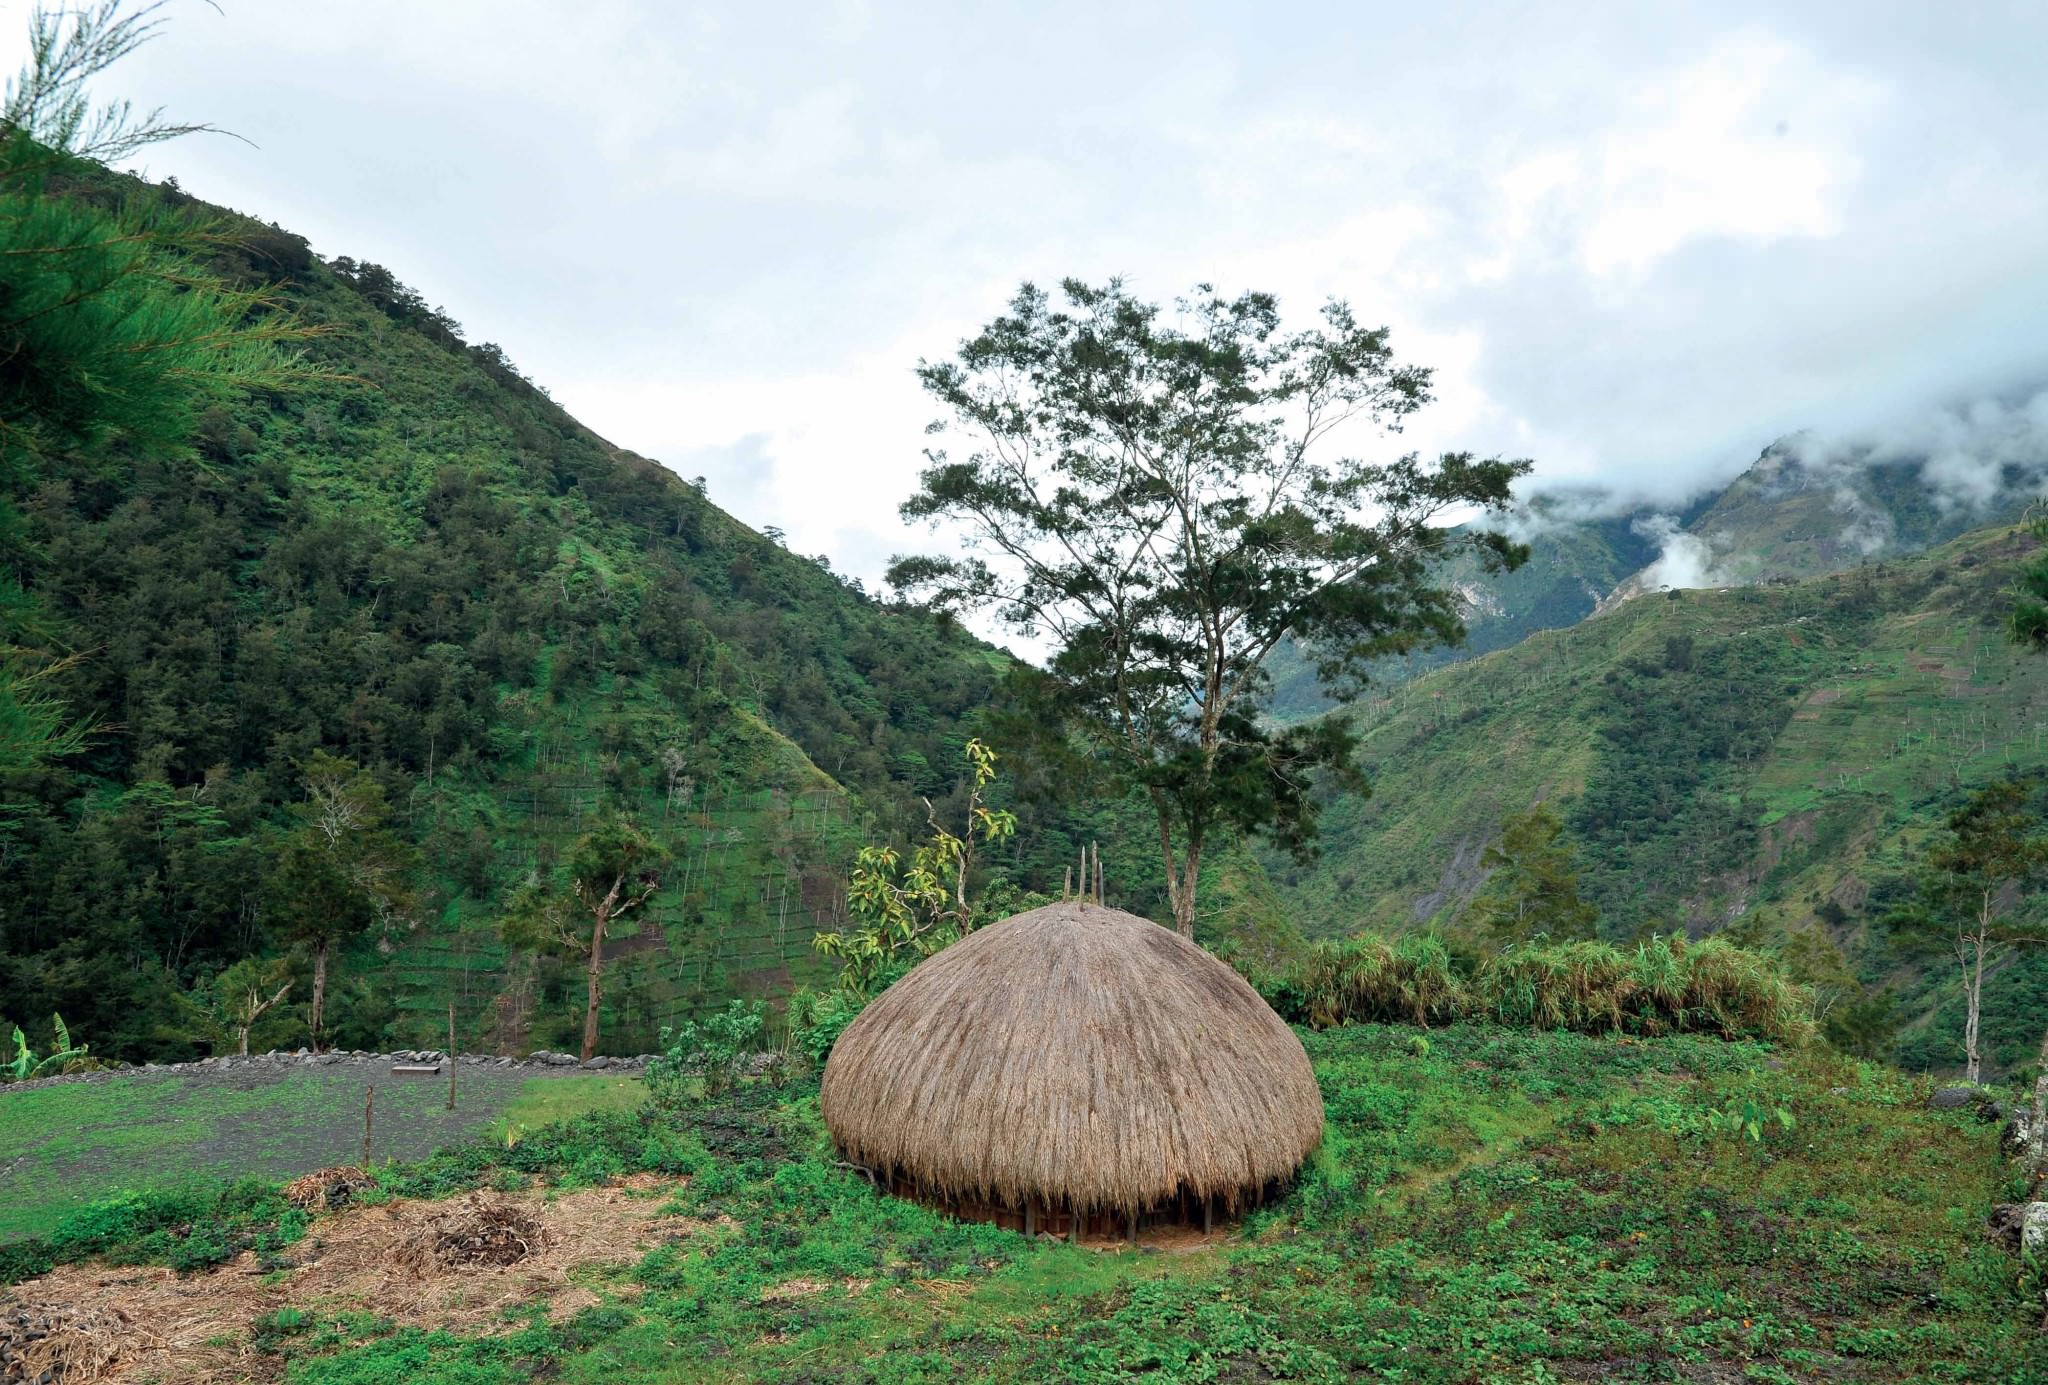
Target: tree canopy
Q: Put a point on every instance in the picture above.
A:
(1158, 494)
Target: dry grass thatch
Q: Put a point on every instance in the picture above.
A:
(326, 1190)
(459, 1266)
(1074, 1056)
(477, 1230)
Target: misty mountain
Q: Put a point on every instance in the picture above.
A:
(1806, 507)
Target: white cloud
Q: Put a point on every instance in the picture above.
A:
(1756, 141)
(1636, 246)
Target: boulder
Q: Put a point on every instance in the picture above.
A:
(2019, 1130)
(2034, 1229)
(1952, 1098)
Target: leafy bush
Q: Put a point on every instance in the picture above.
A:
(816, 1021)
(715, 1051)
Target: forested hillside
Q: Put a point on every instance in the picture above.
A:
(1769, 760)
(416, 562)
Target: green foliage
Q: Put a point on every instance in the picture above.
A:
(414, 562)
(239, 1006)
(1785, 786)
(1533, 888)
(1155, 496)
(816, 1020)
(1411, 980)
(64, 1055)
(109, 325)
(613, 869)
(2027, 620)
(906, 911)
(1991, 853)
(712, 1053)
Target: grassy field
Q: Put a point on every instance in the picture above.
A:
(67, 1145)
(1490, 1205)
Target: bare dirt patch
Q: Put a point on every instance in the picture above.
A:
(456, 1265)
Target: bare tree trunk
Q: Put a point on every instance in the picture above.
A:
(319, 988)
(595, 975)
(1182, 901)
(256, 1011)
(1972, 1003)
(1184, 896)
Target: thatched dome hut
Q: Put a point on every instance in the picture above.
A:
(1071, 1069)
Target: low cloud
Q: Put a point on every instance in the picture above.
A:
(1683, 560)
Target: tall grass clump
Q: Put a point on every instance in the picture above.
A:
(1364, 978)
(1740, 994)
(1583, 986)
(1662, 986)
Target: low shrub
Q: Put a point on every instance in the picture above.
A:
(716, 1051)
(817, 1020)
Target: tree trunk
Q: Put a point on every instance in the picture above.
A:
(319, 988)
(242, 1038)
(1183, 896)
(1972, 1001)
(596, 973)
(1180, 890)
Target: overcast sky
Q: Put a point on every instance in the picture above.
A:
(1636, 247)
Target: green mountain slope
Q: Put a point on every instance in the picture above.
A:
(1766, 759)
(420, 562)
(1573, 565)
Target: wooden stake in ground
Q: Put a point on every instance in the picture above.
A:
(451, 1055)
(369, 1114)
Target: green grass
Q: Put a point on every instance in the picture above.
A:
(63, 1147)
(1490, 1205)
(544, 1101)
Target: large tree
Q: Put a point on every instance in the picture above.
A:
(614, 868)
(1159, 497)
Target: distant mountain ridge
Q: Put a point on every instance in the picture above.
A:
(1798, 511)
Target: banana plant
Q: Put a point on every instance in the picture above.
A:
(24, 1066)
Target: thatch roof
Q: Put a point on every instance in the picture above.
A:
(1076, 1056)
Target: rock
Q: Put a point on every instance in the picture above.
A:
(598, 1062)
(2019, 1127)
(2034, 1229)
(1954, 1098)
